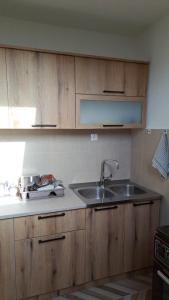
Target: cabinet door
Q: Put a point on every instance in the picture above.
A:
(56, 90)
(24, 106)
(141, 222)
(41, 90)
(96, 76)
(7, 261)
(109, 112)
(4, 113)
(49, 263)
(136, 76)
(105, 241)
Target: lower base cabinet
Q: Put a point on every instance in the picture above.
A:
(119, 238)
(141, 222)
(7, 261)
(49, 263)
(104, 241)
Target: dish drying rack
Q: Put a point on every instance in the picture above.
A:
(45, 189)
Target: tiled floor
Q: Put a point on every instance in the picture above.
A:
(131, 288)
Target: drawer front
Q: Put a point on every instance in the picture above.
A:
(49, 263)
(47, 224)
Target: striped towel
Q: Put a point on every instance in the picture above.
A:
(161, 157)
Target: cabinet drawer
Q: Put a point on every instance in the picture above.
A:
(47, 224)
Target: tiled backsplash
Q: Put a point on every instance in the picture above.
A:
(70, 157)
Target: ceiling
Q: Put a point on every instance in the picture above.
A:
(128, 17)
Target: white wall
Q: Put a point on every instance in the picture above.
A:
(43, 36)
(153, 45)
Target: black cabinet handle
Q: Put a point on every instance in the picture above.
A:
(52, 240)
(51, 216)
(113, 92)
(106, 208)
(36, 125)
(143, 203)
(113, 125)
(43, 125)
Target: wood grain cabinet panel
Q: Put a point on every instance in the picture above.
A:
(97, 76)
(136, 77)
(46, 224)
(56, 90)
(49, 263)
(22, 78)
(7, 261)
(41, 89)
(4, 109)
(105, 228)
(141, 222)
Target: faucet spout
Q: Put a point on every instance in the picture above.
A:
(102, 174)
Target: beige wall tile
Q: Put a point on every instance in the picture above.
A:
(70, 157)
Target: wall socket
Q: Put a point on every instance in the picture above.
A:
(94, 137)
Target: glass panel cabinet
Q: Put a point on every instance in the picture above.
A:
(103, 112)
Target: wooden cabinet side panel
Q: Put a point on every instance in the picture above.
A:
(7, 261)
(4, 110)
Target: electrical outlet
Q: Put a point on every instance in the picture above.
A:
(94, 137)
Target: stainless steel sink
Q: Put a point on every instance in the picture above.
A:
(127, 190)
(97, 193)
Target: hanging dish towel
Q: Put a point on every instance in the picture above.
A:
(161, 157)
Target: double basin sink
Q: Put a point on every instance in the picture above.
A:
(113, 191)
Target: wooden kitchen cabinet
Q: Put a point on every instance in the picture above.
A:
(4, 110)
(41, 89)
(22, 78)
(49, 263)
(141, 222)
(104, 241)
(136, 78)
(48, 90)
(99, 77)
(7, 261)
(109, 112)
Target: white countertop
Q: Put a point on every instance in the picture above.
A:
(11, 207)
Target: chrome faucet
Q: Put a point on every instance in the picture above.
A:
(106, 162)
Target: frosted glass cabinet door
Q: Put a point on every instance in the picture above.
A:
(108, 113)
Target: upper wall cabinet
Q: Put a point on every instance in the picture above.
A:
(99, 77)
(22, 75)
(4, 121)
(40, 89)
(136, 76)
(47, 90)
(108, 77)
